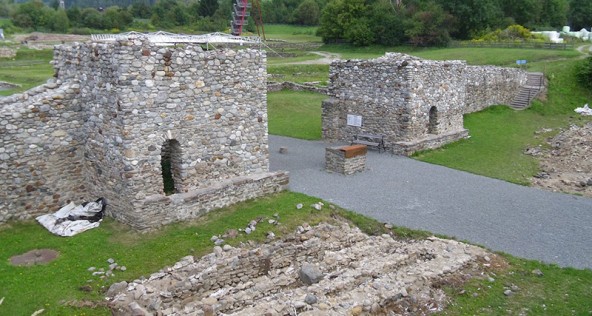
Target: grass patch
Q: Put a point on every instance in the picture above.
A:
(28, 69)
(498, 137)
(295, 114)
(559, 291)
(496, 56)
(473, 56)
(299, 73)
(292, 33)
(297, 56)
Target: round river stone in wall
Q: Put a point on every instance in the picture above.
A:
(33, 257)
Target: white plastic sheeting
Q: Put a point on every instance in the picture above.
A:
(73, 219)
(584, 110)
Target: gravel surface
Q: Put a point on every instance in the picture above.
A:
(522, 221)
(566, 165)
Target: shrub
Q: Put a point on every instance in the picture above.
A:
(584, 73)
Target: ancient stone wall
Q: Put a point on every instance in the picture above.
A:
(40, 151)
(417, 104)
(132, 106)
(490, 85)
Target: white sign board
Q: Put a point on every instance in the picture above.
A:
(354, 120)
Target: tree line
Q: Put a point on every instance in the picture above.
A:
(436, 22)
(359, 22)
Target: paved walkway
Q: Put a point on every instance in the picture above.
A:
(522, 221)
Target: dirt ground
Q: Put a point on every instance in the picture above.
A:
(48, 40)
(566, 162)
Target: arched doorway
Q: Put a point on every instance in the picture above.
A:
(170, 162)
(433, 121)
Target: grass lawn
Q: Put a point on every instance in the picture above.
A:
(291, 33)
(295, 114)
(299, 73)
(29, 69)
(50, 287)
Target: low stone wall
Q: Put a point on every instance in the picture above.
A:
(148, 213)
(431, 142)
(287, 85)
(346, 159)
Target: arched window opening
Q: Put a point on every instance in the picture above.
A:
(433, 121)
(170, 162)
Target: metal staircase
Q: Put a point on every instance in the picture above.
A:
(240, 16)
(535, 82)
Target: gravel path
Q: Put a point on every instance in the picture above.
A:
(522, 221)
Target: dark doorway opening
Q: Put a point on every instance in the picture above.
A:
(170, 162)
(433, 121)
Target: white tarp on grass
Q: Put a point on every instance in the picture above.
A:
(73, 219)
(584, 110)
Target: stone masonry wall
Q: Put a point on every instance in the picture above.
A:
(375, 89)
(41, 146)
(490, 85)
(416, 103)
(101, 126)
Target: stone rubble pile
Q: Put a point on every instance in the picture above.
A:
(566, 166)
(321, 270)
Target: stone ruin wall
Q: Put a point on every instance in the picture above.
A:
(41, 150)
(368, 88)
(394, 95)
(491, 85)
(122, 103)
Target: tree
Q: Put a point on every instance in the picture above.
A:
(388, 23)
(169, 13)
(207, 7)
(428, 26)
(116, 18)
(580, 14)
(472, 17)
(34, 14)
(74, 16)
(307, 13)
(6, 8)
(90, 17)
(60, 22)
(140, 9)
(524, 12)
(584, 73)
(339, 16)
(554, 13)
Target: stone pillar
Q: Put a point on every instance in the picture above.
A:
(346, 159)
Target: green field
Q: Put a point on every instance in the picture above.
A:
(291, 33)
(29, 69)
(295, 114)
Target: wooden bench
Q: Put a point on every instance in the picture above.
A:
(370, 140)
